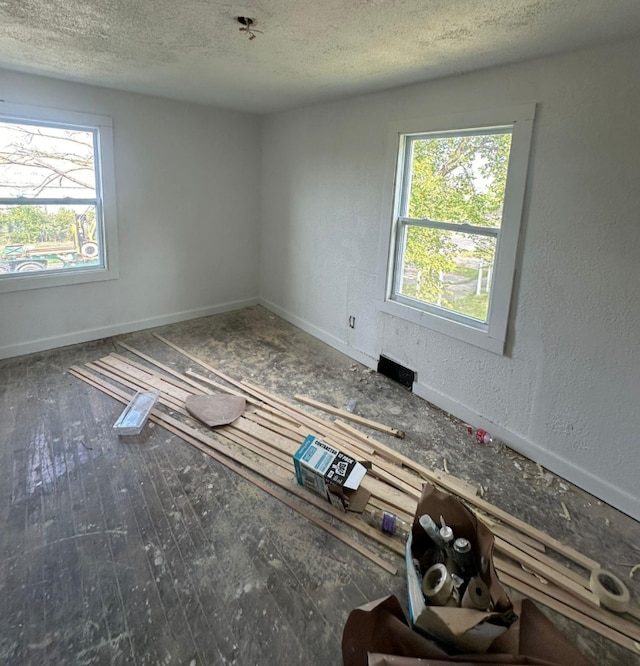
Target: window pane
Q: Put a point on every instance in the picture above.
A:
(41, 162)
(38, 238)
(458, 178)
(451, 270)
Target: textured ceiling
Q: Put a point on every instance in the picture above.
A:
(308, 51)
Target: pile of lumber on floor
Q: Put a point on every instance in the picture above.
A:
(261, 443)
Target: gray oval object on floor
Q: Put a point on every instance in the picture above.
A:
(215, 410)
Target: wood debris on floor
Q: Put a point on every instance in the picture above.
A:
(262, 441)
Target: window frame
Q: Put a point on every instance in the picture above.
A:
(106, 210)
(492, 334)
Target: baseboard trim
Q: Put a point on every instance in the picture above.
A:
(321, 334)
(579, 476)
(43, 344)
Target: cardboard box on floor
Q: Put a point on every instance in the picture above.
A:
(331, 474)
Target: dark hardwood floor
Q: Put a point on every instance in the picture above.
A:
(142, 550)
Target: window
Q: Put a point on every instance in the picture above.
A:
(455, 223)
(57, 204)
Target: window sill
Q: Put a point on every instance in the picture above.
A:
(17, 282)
(454, 329)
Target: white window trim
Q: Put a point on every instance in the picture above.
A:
(493, 336)
(107, 198)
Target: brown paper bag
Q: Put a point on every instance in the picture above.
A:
(377, 634)
(462, 629)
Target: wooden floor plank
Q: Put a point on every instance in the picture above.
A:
(164, 569)
(62, 575)
(160, 642)
(186, 516)
(33, 562)
(184, 545)
(13, 457)
(97, 471)
(92, 638)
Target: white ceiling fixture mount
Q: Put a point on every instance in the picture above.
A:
(247, 26)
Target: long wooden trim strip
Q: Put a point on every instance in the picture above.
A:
(633, 612)
(176, 380)
(571, 613)
(134, 378)
(511, 548)
(273, 456)
(630, 629)
(137, 385)
(162, 366)
(269, 424)
(395, 482)
(548, 573)
(365, 439)
(152, 379)
(269, 412)
(374, 425)
(225, 389)
(200, 362)
(442, 479)
(543, 537)
(320, 426)
(508, 534)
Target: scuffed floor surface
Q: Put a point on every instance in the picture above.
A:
(145, 551)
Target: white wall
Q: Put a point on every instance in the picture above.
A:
(566, 392)
(187, 196)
